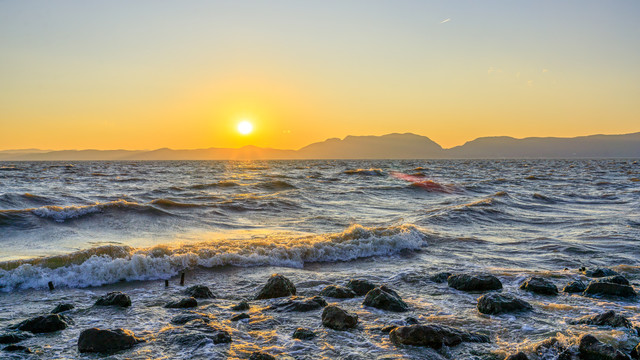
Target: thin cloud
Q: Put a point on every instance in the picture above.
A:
(445, 20)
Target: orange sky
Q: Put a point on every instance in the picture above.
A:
(182, 75)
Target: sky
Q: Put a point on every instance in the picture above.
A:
(182, 74)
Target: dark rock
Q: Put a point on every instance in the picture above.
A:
(198, 340)
(199, 292)
(220, 337)
(303, 334)
(635, 353)
(338, 292)
(592, 349)
(609, 318)
(433, 336)
(518, 356)
(61, 308)
(575, 287)
(599, 272)
(307, 304)
(241, 306)
(185, 318)
(411, 321)
(335, 318)
(12, 338)
(277, 286)
(440, 277)
(360, 287)
(616, 279)
(106, 341)
(259, 355)
(115, 298)
(45, 323)
(495, 303)
(467, 282)
(387, 329)
(552, 349)
(384, 298)
(240, 317)
(609, 289)
(182, 303)
(540, 286)
(16, 348)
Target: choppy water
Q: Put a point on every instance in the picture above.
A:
(232, 224)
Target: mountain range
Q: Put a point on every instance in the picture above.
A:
(390, 146)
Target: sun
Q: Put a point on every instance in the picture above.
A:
(245, 127)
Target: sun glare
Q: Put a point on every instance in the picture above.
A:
(245, 127)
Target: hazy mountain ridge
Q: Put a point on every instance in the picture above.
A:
(390, 146)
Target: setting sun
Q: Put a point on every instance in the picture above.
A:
(245, 127)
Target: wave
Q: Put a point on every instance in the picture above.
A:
(219, 184)
(276, 185)
(367, 172)
(166, 203)
(110, 264)
(14, 200)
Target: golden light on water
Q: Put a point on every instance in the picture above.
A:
(245, 127)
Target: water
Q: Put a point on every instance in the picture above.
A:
(231, 224)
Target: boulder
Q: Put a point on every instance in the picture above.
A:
(106, 341)
(600, 272)
(539, 285)
(241, 306)
(185, 318)
(360, 287)
(277, 286)
(387, 329)
(182, 303)
(609, 289)
(259, 355)
(440, 277)
(338, 292)
(384, 298)
(303, 334)
(466, 282)
(592, 349)
(17, 348)
(295, 305)
(575, 287)
(616, 279)
(240, 316)
(335, 318)
(199, 292)
(62, 308)
(12, 338)
(552, 348)
(609, 318)
(433, 336)
(518, 356)
(45, 323)
(115, 298)
(495, 303)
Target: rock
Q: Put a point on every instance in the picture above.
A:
(303, 334)
(182, 303)
(185, 318)
(467, 282)
(552, 348)
(199, 292)
(592, 349)
(609, 318)
(277, 286)
(12, 338)
(635, 353)
(495, 303)
(433, 336)
(600, 272)
(307, 304)
(16, 348)
(198, 340)
(575, 287)
(220, 337)
(259, 355)
(616, 279)
(440, 277)
(115, 298)
(106, 341)
(240, 317)
(411, 321)
(384, 298)
(518, 356)
(61, 308)
(540, 286)
(335, 318)
(360, 287)
(338, 292)
(387, 329)
(241, 306)
(45, 323)
(609, 289)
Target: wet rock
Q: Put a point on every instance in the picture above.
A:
(106, 341)
(360, 287)
(198, 340)
(411, 321)
(303, 334)
(115, 298)
(295, 305)
(600, 272)
(240, 316)
(466, 282)
(616, 279)
(575, 287)
(635, 353)
(539, 285)
(384, 298)
(12, 338)
(182, 303)
(495, 303)
(518, 356)
(433, 336)
(609, 318)
(592, 349)
(199, 292)
(185, 318)
(338, 292)
(335, 318)
(387, 329)
(259, 355)
(609, 289)
(552, 349)
(45, 323)
(241, 306)
(17, 348)
(277, 286)
(440, 277)
(62, 308)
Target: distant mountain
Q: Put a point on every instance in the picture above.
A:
(391, 146)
